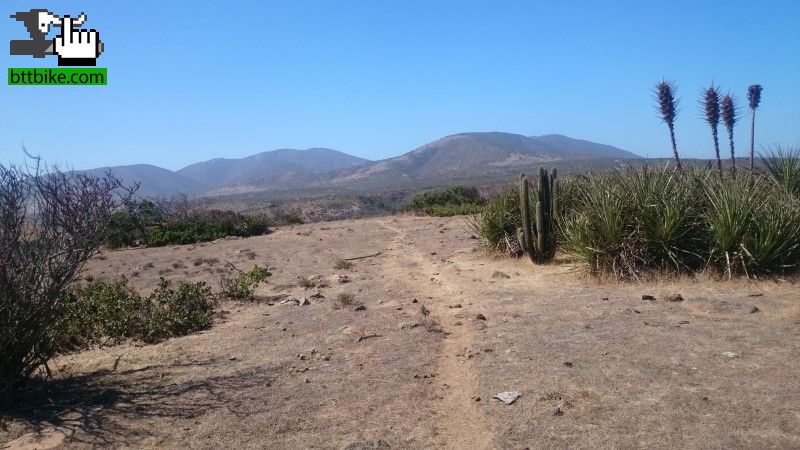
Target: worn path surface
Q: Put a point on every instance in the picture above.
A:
(417, 368)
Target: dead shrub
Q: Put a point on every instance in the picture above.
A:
(344, 300)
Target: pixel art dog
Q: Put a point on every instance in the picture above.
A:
(74, 46)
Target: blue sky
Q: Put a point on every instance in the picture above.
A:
(190, 81)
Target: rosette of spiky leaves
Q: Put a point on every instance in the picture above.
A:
(710, 104)
(754, 99)
(667, 106)
(730, 114)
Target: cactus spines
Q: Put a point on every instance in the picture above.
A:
(544, 249)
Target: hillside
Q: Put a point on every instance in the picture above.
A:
(481, 153)
(154, 181)
(467, 158)
(283, 164)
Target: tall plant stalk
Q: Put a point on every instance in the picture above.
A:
(710, 104)
(730, 114)
(667, 106)
(754, 98)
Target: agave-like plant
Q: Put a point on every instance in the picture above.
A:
(710, 103)
(730, 114)
(667, 106)
(754, 98)
(783, 164)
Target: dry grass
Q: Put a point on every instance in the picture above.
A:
(344, 300)
(341, 264)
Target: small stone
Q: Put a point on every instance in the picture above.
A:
(359, 307)
(753, 309)
(498, 274)
(568, 363)
(302, 301)
(558, 412)
(415, 301)
(480, 317)
(730, 354)
(605, 299)
(648, 297)
(674, 298)
(457, 305)
(508, 397)
(317, 294)
(344, 279)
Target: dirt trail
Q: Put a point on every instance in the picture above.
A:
(458, 418)
(597, 366)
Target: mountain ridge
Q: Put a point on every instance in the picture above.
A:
(457, 156)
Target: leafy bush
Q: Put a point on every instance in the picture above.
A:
(243, 285)
(101, 310)
(156, 225)
(128, 227)
(457, 200)
(205, 227)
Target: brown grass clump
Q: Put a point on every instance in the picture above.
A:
(207, 261)
(344, 300)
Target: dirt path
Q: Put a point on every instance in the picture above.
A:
(597, 366)
(458, 418)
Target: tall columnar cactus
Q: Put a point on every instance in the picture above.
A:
(730, 114)
(544, 248)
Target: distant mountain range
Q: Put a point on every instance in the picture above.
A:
(459, 156)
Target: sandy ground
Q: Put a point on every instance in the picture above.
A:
(595, 364)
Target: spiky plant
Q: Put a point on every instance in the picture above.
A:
(730, 114)
(754, 98)
(710, 104)
(667, 106)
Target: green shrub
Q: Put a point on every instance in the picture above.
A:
(783, 165)
(457, 200)
(243, 285)
(499, 219)
(101, 310)
(206, 227)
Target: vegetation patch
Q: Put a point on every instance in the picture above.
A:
(147, 223)
(242, 286)
(457, 200)
(99, 311)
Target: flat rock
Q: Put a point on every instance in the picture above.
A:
(498, 274)
(508, 397)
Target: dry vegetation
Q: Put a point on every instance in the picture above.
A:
(440, 334)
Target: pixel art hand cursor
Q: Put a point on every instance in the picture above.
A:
(74, 47)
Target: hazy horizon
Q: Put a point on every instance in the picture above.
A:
(189, 83)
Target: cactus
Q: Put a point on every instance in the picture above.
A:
(546, 214)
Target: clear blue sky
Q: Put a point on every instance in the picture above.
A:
(193, 80)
